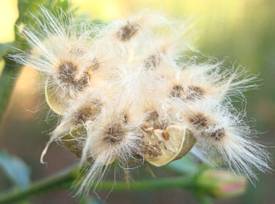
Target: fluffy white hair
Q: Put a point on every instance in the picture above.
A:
(224, 137)
(130, 68)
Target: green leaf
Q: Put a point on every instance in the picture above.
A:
(15, 169)
(184, 165)
(4, 48)
(26, 7)
(2, 64)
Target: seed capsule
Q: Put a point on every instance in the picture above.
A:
(55, 102)
(57, 97)
(72, 140)
(164, 146)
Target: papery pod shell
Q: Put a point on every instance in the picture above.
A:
(182, 142)
(55, 102)
(70, 141)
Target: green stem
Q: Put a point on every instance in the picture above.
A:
(204, 199)
(65, 179)
(149, 185)
(7, 83)
(61, 180)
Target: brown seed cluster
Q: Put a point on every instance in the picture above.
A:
(199, 120)
(153, 121)
(177, 91)
(87, 112)
(127, 31)
(152, 62)
(152, 150)
(194, 92)
(114, 133)
(218, 134)
(67, 74)
(191, 92)
(151, 145)
(202, 123)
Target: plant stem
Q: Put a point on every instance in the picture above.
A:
(66, 178)
(204, 199)
(61, 180)
(149, 185)
(7, 83)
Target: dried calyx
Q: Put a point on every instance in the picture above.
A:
(158, 147)
(164, 146)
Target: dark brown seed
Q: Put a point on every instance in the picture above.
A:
(191, 92)
(152, 62)
(218, 134)
(125, 118)
(114, 134)
(153, 121)
(127, 31)
(67, 72)
(87, 112)
(165, 135)
(199, 120)
(194, 92)
(177, 91)
(83, 81)
(153, 115)
(152, 150)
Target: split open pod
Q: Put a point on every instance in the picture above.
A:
(159, 149)
(168, 145)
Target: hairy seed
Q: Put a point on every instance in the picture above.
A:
(88, 112)
(194, 92)
(153, 122)
(152, 150)
(199, 120)
(191, 92)
(114, 134)
(152, 62)
(218, 134)
(125, 118)
(67, 72)
(127, 31)
(177, 91)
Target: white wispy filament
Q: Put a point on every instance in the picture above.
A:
(125, 81)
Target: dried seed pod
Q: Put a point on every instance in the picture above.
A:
(55, 102)
(164, 146)
(72, 140)
(58, 97)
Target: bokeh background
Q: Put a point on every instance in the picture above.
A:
(240, 32)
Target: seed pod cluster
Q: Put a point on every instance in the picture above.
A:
(124, 93)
